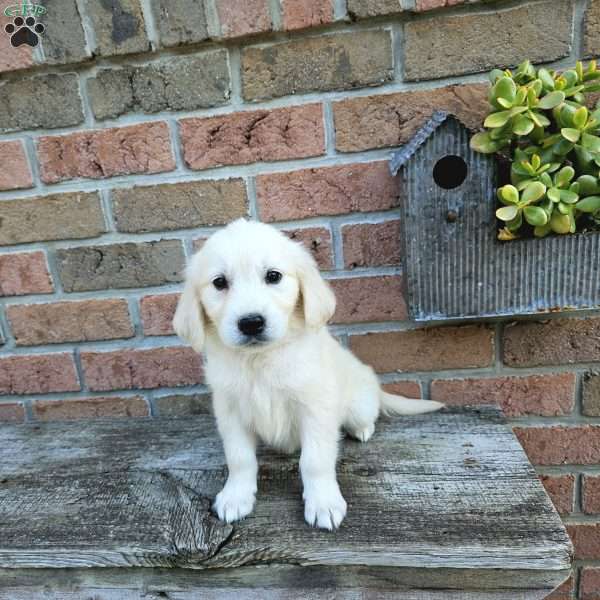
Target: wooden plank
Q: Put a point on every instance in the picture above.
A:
(452, 492)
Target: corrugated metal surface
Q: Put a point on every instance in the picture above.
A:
(458, 270)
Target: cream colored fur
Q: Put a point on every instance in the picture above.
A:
(294, 390)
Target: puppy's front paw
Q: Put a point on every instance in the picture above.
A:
(324, 506)
(234, 502)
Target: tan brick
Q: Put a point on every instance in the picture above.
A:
(558, 445)
(441, 47)
(332, 62)
(119, 266)
(553, 342)
(299, 14)
(131, 369)
(589, 584)
(179, 205)
(561, 489)
(362, 187)
(142, 148)
(423, 5)
(591, 33)
(183, 405)
(371, 244)
(12, 413)
(364, 299)
(393, 119)
(591, 394)
(430, 349)
(545, 395)
(591, 494)
(24, 273)
(90, 408)
(410, 389)
(361, 9)
(586, 540)
(253, 136)
(318, 241)
(236, 22)
(73, 215)
(37, 324)
(156, 313)
(16, 172)
(38, 374)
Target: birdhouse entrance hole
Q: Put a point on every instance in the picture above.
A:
(450, 171)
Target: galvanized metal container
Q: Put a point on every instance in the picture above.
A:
(454, 265)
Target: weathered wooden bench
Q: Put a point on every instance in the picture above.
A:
(440, 506)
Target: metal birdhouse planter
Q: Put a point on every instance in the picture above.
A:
(454, 265)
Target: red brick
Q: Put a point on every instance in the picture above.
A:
(560, 445)
(393, 119)
(423, 5)
(545, 395)
(16, 172)
(363, 299)
(361, 187)
(130, 369)
(253, 136)
(589, 584)
(12, 59)
(253, 17)
(586, 540)
(430, 349)
(156, 313)
(90, 408)
(565, 591)
(410, 389)
(591, 494)
(552, 342)
(37, 324)
(371, 244)
(561, 490)
(142, 148)
(12, 413)
(38, 374)
(298, 14)
(318, 241)
(24, 273)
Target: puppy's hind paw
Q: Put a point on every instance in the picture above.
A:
(325, 510)
(364, 435)
(234, 503)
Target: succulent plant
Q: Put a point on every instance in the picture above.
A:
(540, 119)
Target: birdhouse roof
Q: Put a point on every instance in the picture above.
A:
(402, 156)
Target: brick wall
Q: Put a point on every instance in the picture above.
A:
(130, 134)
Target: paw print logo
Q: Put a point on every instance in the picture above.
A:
(24, 31)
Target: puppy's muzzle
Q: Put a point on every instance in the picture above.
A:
(252, 325)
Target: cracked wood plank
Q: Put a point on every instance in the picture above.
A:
(444, 501)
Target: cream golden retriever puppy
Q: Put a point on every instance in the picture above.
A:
(255, 303)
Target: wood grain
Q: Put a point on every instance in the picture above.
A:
(442, 502)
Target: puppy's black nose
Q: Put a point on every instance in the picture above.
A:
(251, 324)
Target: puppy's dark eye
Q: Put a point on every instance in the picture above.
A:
(273, 276)
(220, 283)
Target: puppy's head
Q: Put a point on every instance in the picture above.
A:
(250, 286)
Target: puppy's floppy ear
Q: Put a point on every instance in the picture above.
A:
(188, 321)
(318, 299)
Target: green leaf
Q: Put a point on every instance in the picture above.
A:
(497, 119)
(538, 118)
(551, 100)
(546, 79)
(542, 231)
(508, 194)
(564, 176)
(560, 223)
(563, 208)
(507, 213)
(505, 88)
(504, 103)
(554, 194)
(591, 204)
(590, 142)
(516, 223)
(482, 142)
(570, 134)
(495, 74)
(588, 185)
(568, 197)
(580, 117)
(533, 192)
(535, 216)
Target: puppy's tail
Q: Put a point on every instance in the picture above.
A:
(399, 405)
